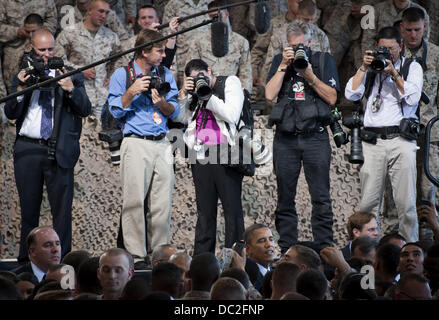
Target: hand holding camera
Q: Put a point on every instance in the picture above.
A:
(140, 85)
(287, 56)
(367, 59)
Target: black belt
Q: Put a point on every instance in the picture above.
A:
(153, 138)
(37, 141)
(384, 132)
(319, 129)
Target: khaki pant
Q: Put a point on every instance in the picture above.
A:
(146, 172)
(396, 159)
(425, 188)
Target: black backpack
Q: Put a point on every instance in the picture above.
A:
(247, 118)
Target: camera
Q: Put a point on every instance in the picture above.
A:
(238, 246)
(162, 87)
(355, 122)
(380, 57)
(340, 137)
(301, 57)
(114, 138)
(202, 87)
(410, 128)
(34, 66)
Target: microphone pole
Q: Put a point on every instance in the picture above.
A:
(181, 19)
(113, 57)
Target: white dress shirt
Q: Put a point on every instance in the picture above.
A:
(390, 113)
(32, 122)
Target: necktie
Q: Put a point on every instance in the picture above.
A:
(45, 101)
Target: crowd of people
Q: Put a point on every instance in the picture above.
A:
(369, 268)
(312, 57)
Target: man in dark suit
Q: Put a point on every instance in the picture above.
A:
(48, 119)
(259, 246)
(44, 251)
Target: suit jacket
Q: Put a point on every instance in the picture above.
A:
(70, 124)
(347, 251)
(254, 274)
(23, 268)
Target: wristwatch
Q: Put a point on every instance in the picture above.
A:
(281, 70)
(395, 77)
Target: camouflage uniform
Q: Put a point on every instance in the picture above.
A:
(183, 8)
(425, 189)
(345, 33)
(159, 6)
(78, 48)
(236, 62)
(12, 15)
(112, 22)
(432, 6)
(124, 8)
(278, 41)
(386, 15)
(61, 3)
(14, 52)
(125, 59)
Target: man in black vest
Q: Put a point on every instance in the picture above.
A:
(48, 119)
(300, 116)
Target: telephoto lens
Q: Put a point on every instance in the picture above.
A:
(356, 156)
(202, 88)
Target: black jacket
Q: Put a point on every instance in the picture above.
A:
(70, 126)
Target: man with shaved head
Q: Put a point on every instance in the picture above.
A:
(116, 267)
(61, 105)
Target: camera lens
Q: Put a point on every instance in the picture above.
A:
(356, 156)
(300, 62)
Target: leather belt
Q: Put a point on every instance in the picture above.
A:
(37, 141)
(384, 132)
(153, 138)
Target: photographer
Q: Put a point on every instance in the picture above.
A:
(146, 158)
(389, 127)
(211, 128)
(48, 120)
(301, 114)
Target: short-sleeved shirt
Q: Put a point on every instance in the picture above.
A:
(330, 76)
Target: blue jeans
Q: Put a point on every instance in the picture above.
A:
(289, 153)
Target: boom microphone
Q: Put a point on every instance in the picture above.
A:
(219, 39)
(262, 17)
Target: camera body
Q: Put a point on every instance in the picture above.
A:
(340, 137)
(410, 128)
(202, 87)
(34, 66)
(156, 82)
(380, 57)
(355, 122)
(302, 54)
(114, 138)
